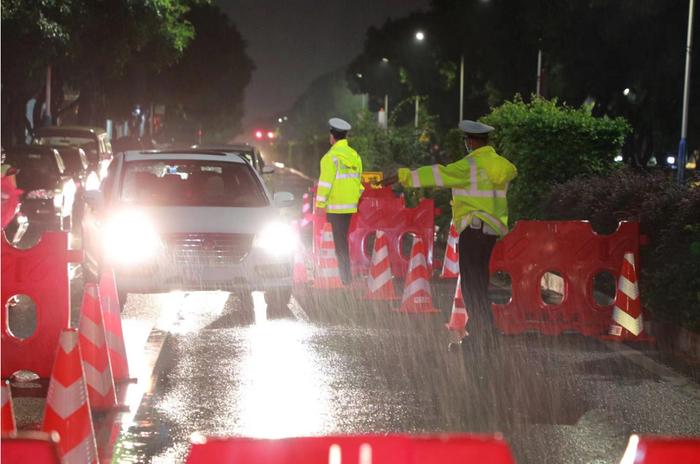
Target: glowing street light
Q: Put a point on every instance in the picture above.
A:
(420, 36)
(626, 91)
(385, 60)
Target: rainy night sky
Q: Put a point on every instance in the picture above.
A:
(294, 42)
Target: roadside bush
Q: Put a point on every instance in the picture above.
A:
(550, 143)
(669, 216)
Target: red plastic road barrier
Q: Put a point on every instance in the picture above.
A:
(571, 249)
(34, 447)
(392, 449)
(10, 199)
(41, 273)
(661, 450)
(381, 209)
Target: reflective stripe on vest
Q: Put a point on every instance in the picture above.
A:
(324, 184)
(437, 176)
(336, 207)
(474, 191)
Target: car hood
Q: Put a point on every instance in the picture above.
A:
(178, 220)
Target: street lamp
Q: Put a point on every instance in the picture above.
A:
(420, 36)
(686, 90)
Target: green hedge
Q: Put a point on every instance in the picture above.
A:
(551, 143)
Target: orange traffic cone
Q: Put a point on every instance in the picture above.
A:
(459, 316)
(67, 405)
(628, 323)
(93, 346)
(111, 314)
(306, 214)
(8, 414)
(450, 266)
(416, 292)
(380, 282)
(327, 272)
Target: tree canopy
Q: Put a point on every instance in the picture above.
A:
(592, 52)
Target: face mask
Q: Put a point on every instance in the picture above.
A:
(469, 149)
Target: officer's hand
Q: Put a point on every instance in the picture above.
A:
(390, 180)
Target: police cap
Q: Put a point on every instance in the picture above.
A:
(339, 125)
(474, 128)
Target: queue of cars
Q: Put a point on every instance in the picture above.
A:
(199, 218)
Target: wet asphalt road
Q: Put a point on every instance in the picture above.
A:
(339, 364)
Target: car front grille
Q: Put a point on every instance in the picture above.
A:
(210, 250)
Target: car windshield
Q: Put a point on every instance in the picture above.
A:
(36, 170)
(191, 183)
(88, 144)
(73, 160)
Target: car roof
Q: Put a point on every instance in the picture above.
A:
(209, 155)
(225, 147)
(69, 130)
(34, 148)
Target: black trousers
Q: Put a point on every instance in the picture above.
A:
(474, 254)
(341, 225)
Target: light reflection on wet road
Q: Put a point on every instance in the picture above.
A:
(365, 369)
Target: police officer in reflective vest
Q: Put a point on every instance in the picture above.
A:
(479, 184)
(339, 190)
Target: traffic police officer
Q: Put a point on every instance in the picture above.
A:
(339, 190)
(479, 183)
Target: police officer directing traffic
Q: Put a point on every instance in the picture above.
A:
(479, 184)
(339, 190)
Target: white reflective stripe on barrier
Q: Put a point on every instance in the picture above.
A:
(327, 235)
(415, 179)
(417, 260)
(452, 266)
(633, 325)
(416, 286)
(82, 452)
(437, 176)
(628, 288)
(381, 255)
(324, 184)
(348, 176)
(378, 282)
(348, 206)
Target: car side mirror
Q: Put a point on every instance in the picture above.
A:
(268, 169)
(283, 199)
(94, 199)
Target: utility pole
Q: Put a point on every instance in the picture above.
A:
(538, 88)
(417, 108)
(48, 94)
(461, 88)
(686, 91)
(386, 108)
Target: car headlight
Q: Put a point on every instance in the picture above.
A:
(277, 239)
(130, 238)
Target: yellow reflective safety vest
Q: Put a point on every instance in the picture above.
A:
(479, 184)
(340, 185)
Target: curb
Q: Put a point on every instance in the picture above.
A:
(675, 340)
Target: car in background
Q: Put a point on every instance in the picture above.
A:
(85, 177)
(48, 189)
(249, 152)
(189, 220)
(93, 140)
